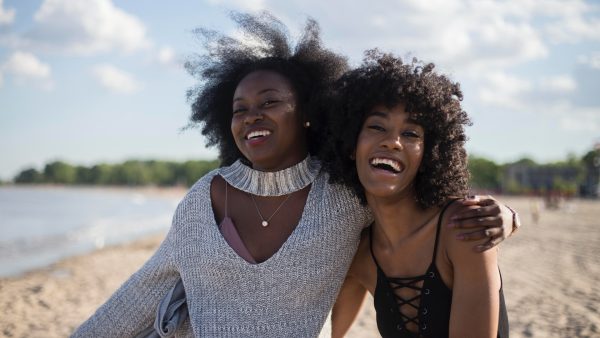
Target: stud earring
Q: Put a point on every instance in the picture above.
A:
(306, 124)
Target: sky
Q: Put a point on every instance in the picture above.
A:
(90, 81)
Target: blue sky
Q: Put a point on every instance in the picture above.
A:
(90, 81)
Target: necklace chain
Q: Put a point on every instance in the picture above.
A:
(265, 222)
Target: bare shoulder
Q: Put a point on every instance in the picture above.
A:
(461, 254)
(458, 251)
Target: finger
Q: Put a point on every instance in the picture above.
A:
(479, 234)
(476, 222)
(470, 200)
(476, 212)
(488, 201)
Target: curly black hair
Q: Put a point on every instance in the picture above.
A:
(310, 68)
(433, 101)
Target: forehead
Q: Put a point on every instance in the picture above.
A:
(397, 111)
(261, 80)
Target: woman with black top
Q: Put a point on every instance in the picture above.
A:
(402, 150)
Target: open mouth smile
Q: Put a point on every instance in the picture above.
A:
(255, 134)
(387, 164)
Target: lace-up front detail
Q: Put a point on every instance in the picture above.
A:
(407, 300)
(405, 305)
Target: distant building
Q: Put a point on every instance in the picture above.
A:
(529, 177)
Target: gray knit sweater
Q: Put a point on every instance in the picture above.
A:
(288, 295)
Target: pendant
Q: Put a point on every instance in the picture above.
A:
(265, 224)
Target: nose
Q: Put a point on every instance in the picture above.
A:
(392, 142)
(253, 116)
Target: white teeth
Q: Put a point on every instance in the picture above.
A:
(395, 165)
(257, 133)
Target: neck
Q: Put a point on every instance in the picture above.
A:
(279, 164)
(267, 183)
(399, 218)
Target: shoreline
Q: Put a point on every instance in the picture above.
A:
(52, 301)
(155, 190)
(550, 271)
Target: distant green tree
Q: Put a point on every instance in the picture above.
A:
(191, 171)
(101, 174)
(162, 172)
(132, 173)
(30, 175)
(60, 172)
(526, 161)
(84, 175)
(485, 174)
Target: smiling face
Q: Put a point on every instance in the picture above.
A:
(388, 152)
(266, 126)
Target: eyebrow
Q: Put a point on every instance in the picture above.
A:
(386, 116)
(377, 113)
(260, 92)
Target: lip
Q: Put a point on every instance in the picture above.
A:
(383, 171)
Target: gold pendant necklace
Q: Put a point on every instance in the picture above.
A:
(265, 222)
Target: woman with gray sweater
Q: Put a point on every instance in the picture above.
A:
(262, 245)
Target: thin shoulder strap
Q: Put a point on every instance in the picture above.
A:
(371, 245)
(439, 225)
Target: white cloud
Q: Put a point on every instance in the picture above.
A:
(86, 27)
(580, 119)
(504, 90)
(560, 83)
(242, 5)
(167, 56)
(574, 21)
(27, 68)
(115, 79)
(7, 16)
(463, 35)
(592, 60)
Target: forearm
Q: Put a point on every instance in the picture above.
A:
(133, 306)
(347, 307)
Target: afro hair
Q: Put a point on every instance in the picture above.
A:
(432, 100)
(265, 45)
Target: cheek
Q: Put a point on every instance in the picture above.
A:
(418, 152)
(360, 150)
(235, 124)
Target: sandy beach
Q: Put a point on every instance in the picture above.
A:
(550, 273)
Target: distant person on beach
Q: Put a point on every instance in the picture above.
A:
(401, 149)
(262, 244)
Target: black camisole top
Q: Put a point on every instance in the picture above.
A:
(432, 302)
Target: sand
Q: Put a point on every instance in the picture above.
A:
(550, 270)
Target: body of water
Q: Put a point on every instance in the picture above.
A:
(40, 225)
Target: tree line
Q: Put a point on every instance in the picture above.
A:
(572, 176)
(131, 173)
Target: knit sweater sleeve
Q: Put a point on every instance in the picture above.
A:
(132, 307)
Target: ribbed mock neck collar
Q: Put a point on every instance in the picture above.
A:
(276, 183)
